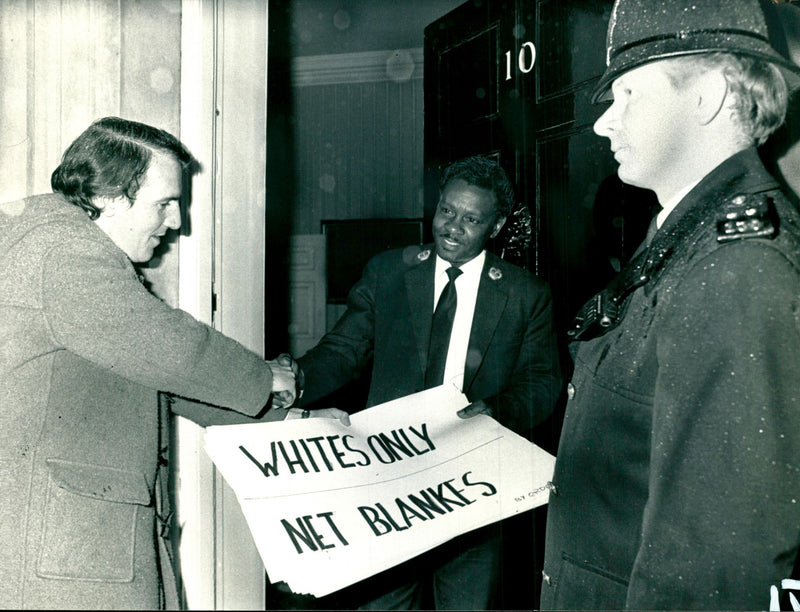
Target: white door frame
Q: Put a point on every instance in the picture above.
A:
(223, 122)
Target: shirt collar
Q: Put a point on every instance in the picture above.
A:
(672, 203)
(472, 268)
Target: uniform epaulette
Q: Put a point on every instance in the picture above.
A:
(746, 216)
(414, 254)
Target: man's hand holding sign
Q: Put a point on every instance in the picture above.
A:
(329, 505)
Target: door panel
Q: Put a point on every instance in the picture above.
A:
(566, 221)
(578, 253)
(466, 94)
(307, 292)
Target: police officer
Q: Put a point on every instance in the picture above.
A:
(677, 481)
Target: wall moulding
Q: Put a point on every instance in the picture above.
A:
(364, 67)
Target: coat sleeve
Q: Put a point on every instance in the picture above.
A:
(207, 415)
(343, 353)
(534, 381)
(96, 307)
(721, 520)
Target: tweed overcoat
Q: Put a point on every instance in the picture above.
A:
(677, 478)
(84, 350)
(512, 358)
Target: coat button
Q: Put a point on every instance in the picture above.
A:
(570, 391)
(546, 578)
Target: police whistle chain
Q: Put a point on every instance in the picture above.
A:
(601, 313)
(744, 216)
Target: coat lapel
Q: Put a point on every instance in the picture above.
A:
(489, 307)
(419, 290)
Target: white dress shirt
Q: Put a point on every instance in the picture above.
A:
(467, 290)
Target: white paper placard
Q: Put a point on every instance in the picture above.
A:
(329, 505)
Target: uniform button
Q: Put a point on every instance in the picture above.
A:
(546, 578)
(570, 390)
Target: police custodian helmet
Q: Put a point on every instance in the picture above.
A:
(642, 31)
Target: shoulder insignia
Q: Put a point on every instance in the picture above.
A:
(746, 216)
(413, 255)
(495, 273)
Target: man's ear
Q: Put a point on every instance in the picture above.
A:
(110, 207)
(712, 93)
(498, 225)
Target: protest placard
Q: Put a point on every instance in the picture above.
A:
(329, 505)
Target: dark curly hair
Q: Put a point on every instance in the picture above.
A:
(485, 173)
(109, 159)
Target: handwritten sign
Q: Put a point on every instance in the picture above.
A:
(329, 505)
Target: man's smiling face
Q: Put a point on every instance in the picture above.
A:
(137, 227)
(466, 218)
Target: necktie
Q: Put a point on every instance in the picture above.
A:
(441, 327)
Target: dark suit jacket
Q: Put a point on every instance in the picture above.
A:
(512, 361)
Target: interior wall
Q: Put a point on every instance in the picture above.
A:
(354, 105)
(345, 122)
(357, 122)
(65, 63)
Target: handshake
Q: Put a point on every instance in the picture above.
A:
(287, 381)
(287, 387)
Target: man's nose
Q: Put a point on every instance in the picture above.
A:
(454, 225)
(602, 127)
(173, 218)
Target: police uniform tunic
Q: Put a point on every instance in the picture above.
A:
(677, 482)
